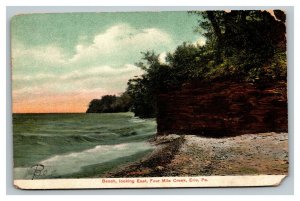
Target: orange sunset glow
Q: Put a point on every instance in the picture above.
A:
(72, 103)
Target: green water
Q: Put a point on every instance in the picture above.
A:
(78, 145)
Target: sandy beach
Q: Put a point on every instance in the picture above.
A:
(190, 155)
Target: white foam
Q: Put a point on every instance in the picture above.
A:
(136, 120)
(70, 163)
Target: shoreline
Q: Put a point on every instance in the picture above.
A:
(191, 155)
(151, 165)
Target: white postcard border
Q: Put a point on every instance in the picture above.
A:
(152, 182)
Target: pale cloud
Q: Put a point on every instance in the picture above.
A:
(99, 71)
(162, 58)
(118, 44)
(50, 54)
(200, 42)
(121, 39)
(102, 71)
(106, 78)
(39, 76)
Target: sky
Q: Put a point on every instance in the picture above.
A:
(60, 62)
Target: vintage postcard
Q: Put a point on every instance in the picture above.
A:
(149, 99)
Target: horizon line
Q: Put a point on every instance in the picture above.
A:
(66, 112)
(48, 112)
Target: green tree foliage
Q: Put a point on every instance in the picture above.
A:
(240, 45)
(249, 45)
(144, 103)
(188, 62)
(110, 104)
(143, 89)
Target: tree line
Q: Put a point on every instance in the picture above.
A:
(245, 46)
(110, 104)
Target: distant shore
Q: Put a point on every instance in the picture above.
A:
(190, 155)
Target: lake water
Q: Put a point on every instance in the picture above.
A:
(77, 145)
